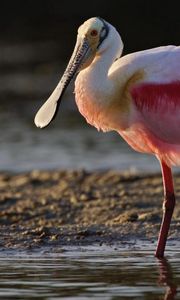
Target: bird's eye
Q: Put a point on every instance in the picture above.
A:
(94, 32)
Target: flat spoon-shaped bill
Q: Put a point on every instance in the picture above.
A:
(48, 110)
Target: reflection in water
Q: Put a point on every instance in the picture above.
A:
(101, 273)
(166, 279)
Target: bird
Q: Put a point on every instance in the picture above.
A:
(137, 95)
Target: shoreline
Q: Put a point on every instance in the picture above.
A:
(53, 209)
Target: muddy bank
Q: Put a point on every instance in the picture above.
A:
(57, 208)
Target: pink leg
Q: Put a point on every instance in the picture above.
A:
(168, 208)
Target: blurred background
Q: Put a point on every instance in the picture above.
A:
(36, 41)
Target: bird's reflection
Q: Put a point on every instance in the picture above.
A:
(166, 279)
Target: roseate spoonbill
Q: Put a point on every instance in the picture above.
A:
(137, 95)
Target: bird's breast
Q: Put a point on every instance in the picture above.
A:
(99, 105)
(90, 106)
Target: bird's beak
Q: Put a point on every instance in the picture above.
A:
(48, 110)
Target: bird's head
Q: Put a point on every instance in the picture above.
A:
(91, 36)
(94, 37)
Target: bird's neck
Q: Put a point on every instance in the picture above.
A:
(101, 65)
(94, 90)
(94, 79)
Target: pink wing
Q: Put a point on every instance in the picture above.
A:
(159, 107)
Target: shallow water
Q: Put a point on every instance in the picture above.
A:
(68, 143)
(90, 273)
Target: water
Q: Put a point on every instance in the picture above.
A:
(68, 143)
(90, 273)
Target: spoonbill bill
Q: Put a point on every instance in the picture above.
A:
(137, 95)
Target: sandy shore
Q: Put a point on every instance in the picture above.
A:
(57, 208)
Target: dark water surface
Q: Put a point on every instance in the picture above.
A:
(90, 273)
